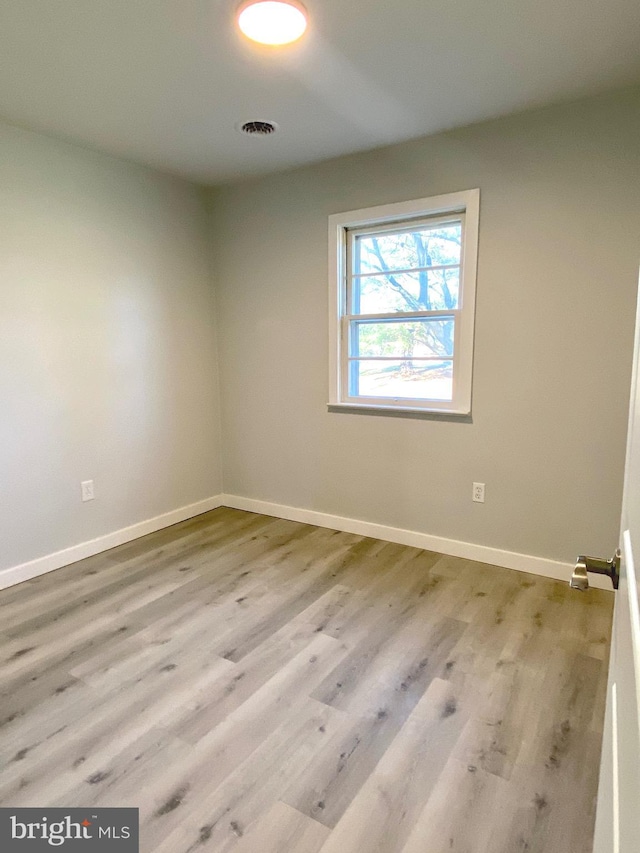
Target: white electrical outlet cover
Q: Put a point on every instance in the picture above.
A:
(86, 490)
(478, 493)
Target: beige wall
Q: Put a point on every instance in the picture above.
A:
(558, 268)
(107, 347)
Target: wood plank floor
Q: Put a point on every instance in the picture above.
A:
(257, 685)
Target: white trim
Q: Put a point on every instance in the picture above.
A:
(404, 317)
(373, 408)
(467, 204)
(436, 204)
(634, 394)
(434, 268)
(453, 547)
(337, 250)
(634, 607)
(468, 550)
(51, 562)
(615, 761)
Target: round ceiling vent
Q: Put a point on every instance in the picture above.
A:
(258, 128)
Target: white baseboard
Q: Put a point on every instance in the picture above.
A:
(50, 562)
(468, 550)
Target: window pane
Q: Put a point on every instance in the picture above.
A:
(426, 246)
(410, 379)
(405, 339)
(431, 290)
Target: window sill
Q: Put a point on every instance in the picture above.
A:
(401, 411)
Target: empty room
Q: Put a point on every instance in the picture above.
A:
(320, 427)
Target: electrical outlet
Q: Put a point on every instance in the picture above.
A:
(478, 492)
(86, 487)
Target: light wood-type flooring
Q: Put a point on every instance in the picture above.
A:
(256, 685)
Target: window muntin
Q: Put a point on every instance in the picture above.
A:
(405, 290)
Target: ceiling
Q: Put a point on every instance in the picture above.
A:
(165, 82)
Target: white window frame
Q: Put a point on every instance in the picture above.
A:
(463, 205)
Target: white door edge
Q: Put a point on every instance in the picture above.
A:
(634, 606)
(616, 768)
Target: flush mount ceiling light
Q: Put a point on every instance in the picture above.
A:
(272, 21)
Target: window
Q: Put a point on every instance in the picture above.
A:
(402, 303)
